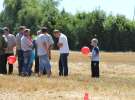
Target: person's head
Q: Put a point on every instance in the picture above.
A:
(26, 32)
(6, 30)
(1, 31)
(94, 42)
(44, 30)
(56, 33)
(38, 32)
(21, 29)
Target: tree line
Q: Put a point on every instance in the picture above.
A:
(115, 33)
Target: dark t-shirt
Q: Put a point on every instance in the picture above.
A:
(3, 44)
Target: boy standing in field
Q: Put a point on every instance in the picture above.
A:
(95, 58)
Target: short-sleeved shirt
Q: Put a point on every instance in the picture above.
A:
(64, 41)
(95, 54)
(26, 44)
(11, 42)
(41, 39)
(51, 42)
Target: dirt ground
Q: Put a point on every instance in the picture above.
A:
(117, 81)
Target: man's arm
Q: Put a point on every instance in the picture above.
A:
(17, 40)
(51, 42)
(14, 41)
(4, 43)
(60, 45)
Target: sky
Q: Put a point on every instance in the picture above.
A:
(1, 5)
(123, 7)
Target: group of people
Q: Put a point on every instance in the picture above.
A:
(25, 46)
(41, 46)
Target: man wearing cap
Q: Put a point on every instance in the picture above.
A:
(3, 46)
(26, 46)
(64, 52)
(11, 43)
(19, 51)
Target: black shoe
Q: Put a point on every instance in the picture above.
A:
(9, 73)
(66, 75)
(23, 75)
(44, 72)
(60, 74)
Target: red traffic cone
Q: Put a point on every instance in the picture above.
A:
(86, 96)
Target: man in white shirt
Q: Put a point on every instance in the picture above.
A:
(64, 52)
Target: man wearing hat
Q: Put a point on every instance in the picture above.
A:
(19, 51)
(3, 46)
(64, 52)
(26, 46)
(11, 43)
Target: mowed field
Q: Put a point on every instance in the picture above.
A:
(117, 81)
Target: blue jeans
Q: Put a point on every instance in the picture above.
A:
(44, 63)
(27, 62)
(20, 61)
(63, 64)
